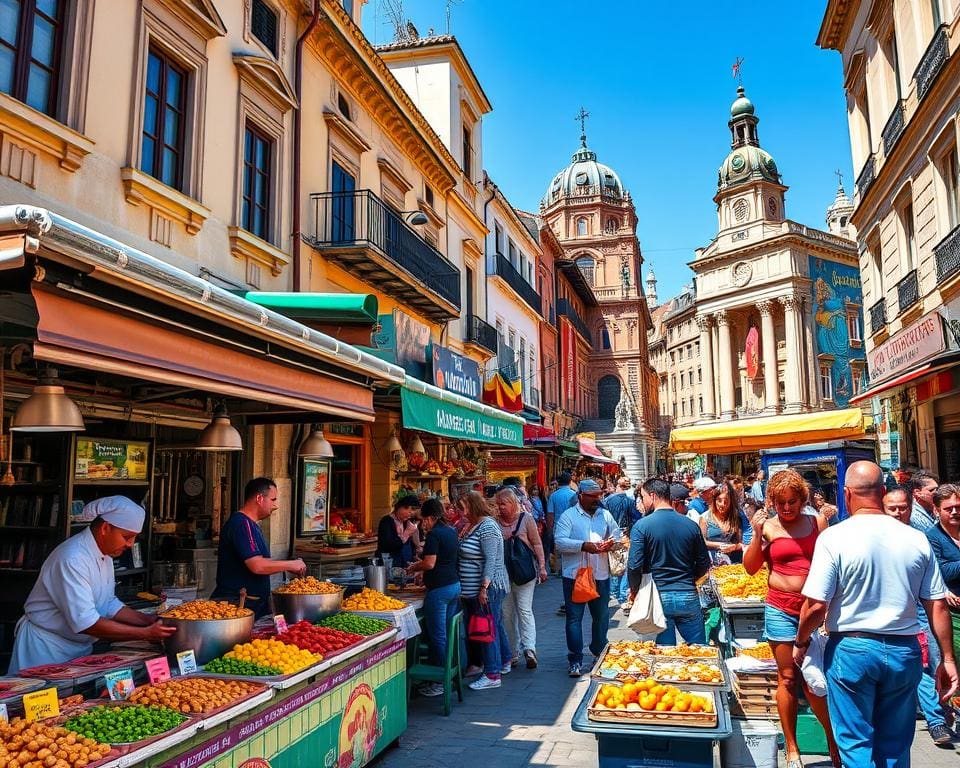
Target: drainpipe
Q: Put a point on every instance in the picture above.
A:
(486, 255)
(297, 128)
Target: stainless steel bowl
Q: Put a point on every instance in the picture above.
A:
(208, 638)
(310, 608)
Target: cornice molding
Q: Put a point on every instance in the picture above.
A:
(200, 14)
(40, 132)
(346, 131)
(266, 76)
(142, 189)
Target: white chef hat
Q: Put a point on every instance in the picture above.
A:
(119, 511)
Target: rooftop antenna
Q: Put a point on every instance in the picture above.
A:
(402, 27)
(449, 5)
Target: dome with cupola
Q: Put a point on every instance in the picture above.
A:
(747, 160)
(584, 177)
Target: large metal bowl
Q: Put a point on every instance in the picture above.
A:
(310, 608)
(208, 638)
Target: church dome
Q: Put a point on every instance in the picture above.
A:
(747, 163)
(584, 177)
(742, 105)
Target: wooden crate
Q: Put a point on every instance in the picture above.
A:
(756, 693)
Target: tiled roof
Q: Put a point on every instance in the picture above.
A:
(420, 42)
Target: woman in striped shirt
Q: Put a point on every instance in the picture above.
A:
(484, 582)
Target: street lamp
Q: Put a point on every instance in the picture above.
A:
(415, 218)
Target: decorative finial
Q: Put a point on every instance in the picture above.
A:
(582, 116)
(839, 174)
(736, 70)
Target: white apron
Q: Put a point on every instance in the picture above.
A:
(35, 645)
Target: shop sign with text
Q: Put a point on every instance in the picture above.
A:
(456, 373)
(911, 346)
(439, 417)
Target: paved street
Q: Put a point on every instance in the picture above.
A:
(527, 721)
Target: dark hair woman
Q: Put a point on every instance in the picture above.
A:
(722, 525)
(397, 534)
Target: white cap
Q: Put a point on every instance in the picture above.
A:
(705, 483)
(119, 511)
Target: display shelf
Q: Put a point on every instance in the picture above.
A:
(128, 571)
(110, 481)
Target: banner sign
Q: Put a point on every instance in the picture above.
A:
(751, 352)
(456, 373)
(438, 417)
(407, 338)
(911, 346)
(568, 360)
(836, 307)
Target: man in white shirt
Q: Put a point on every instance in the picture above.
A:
(866, 577)
(583, 536)
(74, 601)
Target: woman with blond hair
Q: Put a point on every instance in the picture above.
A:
(484, 583)
(785, 543)
(518, 617)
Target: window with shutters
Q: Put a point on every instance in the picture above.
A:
(31, 53)
(264, 24)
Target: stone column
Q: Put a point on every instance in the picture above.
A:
(706, 361)
(725, 366)
(792, 307)
(769, 342)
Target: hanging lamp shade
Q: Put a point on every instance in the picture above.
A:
(393, 444)
(48, 409)
(417, 445)
(219, 434)
(316, 446)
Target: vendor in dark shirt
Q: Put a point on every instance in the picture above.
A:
(671, 549)
(439, 568)
(397, 534)
(243, 559)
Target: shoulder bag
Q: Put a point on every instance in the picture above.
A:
(518, 558)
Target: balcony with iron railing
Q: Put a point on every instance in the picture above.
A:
(512, 277)
(893, 129)
(567, 310)
(947, 255)
(866, 176)
(481, 334)
(908, 291)
(369, 239)
(878, 317)
(932, 61)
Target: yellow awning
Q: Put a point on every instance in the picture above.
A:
(769, 432)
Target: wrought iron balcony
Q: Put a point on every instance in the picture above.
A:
(908, 292)
(893, 129)
(481, 333)
(567, 310)
(865, 179)
(932, 61)
(947, 255)
(515, 280)
(878, 317)
(365, 236)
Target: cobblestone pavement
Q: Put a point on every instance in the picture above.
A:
(527, 720)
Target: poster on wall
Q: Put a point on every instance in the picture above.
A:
(836, 297)
(104, 459)
(315, 508)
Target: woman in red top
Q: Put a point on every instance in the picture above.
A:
(785, 543)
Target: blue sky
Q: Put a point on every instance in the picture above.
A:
(656, 80)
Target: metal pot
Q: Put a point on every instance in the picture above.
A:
(376, 577)
(312, 608)
(207, 638)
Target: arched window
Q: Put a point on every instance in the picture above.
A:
(585, 263)
(612, 225)
(604, 337)
(581, 226)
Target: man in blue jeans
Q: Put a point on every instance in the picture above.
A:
(671, 549)
(866, 577)
(584, 534)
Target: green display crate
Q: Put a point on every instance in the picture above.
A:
(810, 736)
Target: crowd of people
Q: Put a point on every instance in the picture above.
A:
(873, 593)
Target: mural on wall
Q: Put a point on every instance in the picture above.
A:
(835, 288)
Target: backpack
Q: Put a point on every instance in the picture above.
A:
(518, 558)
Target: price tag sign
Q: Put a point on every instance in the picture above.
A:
(41, 704)
(279, 623)
(119, 684)
(187, 662)
(158, 669)
(3, 713)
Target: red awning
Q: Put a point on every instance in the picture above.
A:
(885, 386)
(537, 432)
(589, 450)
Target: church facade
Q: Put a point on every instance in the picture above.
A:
(594, 221)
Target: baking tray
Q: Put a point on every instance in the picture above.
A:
(221, 714)
(653, 662)
(14, 687)
(80, 670)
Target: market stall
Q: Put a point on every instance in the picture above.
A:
(328, 690)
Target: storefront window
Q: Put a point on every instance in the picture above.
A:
(345, 482)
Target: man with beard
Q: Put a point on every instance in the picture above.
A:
(585, 533)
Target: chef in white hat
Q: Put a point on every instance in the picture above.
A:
(74, 601)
